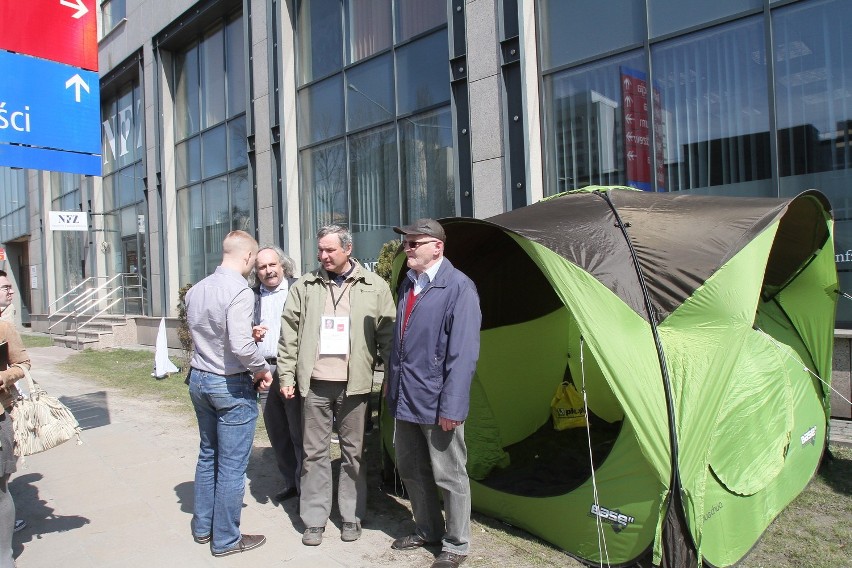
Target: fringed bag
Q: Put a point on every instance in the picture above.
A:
(41, 422)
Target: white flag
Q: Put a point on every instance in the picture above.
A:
(162, 364)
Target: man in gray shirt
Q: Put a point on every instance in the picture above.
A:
(226, 370)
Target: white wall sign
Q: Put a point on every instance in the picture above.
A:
(69, 221)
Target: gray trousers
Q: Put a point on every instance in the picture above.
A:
(428, 460)
(283, 420)
(326, 402)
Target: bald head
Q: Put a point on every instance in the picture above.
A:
(238, 252)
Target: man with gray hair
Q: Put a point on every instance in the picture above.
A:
(281, 416)
(337, 320)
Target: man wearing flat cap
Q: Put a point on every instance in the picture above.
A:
(435, 350)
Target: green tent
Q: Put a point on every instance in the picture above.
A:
(696, 328)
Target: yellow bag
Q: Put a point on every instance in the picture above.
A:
(567, 408)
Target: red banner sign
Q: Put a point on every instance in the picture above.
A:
(637, 130)
(64, 31)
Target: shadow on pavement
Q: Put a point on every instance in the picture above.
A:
(39, 516)
(91, 410)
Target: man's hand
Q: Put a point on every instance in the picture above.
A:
(258, 332)
(262, 380)
(446, 424)
(288, 392)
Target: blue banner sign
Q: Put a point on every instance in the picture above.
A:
(46, 105)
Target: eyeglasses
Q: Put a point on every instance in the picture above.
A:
(7, 288)
(414, 245)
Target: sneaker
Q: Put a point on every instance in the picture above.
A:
(313, 536)
(246, 543)
(20, 524)
(350, 532)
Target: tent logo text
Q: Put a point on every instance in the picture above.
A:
(614, 517)
(715, 509)
(809, 436)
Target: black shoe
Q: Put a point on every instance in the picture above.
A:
(203, 539)
(246, 543)
(448, 560)
(410, 542)
(286, 494)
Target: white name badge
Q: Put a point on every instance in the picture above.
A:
(334, 335)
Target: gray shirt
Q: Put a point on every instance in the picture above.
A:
(219, 313)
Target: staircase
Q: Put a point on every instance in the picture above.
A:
(94, 314)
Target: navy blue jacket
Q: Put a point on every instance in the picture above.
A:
(432, 363)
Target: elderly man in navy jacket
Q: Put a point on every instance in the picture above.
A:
(435, 349)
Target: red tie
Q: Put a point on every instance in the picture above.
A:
(408, 307)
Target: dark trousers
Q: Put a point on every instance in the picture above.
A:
(283, 420)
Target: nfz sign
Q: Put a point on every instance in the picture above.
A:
(69, 221)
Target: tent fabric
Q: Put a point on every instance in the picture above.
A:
(694, 326)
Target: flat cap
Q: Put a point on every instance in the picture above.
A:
(423, 227)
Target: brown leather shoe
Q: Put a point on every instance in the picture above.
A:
(410, 542)
(246, 543)
(448, 560)
(203, 539)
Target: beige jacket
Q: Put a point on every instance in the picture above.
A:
(17, 354)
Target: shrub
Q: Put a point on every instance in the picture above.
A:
(384, 264)
(183, 326)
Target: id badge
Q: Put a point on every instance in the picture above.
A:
(334, 335)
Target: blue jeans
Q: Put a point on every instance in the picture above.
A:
(226, 408)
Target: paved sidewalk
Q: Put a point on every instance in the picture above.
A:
(124, 497)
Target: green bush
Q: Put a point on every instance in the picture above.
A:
(183, 327)
(384, 264)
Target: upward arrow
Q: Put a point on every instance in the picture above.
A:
(77, 82)
(78, 4)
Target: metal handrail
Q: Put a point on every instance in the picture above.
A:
(56, 301)
(83, 298)
(79, 327)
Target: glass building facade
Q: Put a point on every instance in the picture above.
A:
(735, 97)
(374, 120)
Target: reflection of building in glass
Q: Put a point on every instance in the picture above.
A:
(588, 141)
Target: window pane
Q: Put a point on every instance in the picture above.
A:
(374, 189)
(236, 68)
(214, 152)
(813, 90)
(423, 73)
(714, 110)
(242, 202)
(213, 79)
(125, 187)
(418, 16)
(323, 192)
(190, 235)
(426, 143)
(668, 16)
(186, 94)
(126, 145)
(321, 111)
(237, 146)
(586, 136)
(573, 31)
(188, 162)
(109, 135)
(217, 221)
(369, 23)
(370, 92)
(320, 39)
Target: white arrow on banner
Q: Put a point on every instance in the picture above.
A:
(77, 82)
(78, 5)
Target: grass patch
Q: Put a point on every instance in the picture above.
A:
(36, 340)
(130, 371)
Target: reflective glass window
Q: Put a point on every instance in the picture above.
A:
(369, 25)
(236, 62)
(237, 146)
(668, 16)
(373, 187)
(591, 128)
(321, 111)
(576, 30)
(213, 79)
(324, 197)
(242, 202)
(320, 38)
(214, 152)
(369, 91)
(423, 74)
(414, 17)
(713, 115)
(426, 163)
(187, 105)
